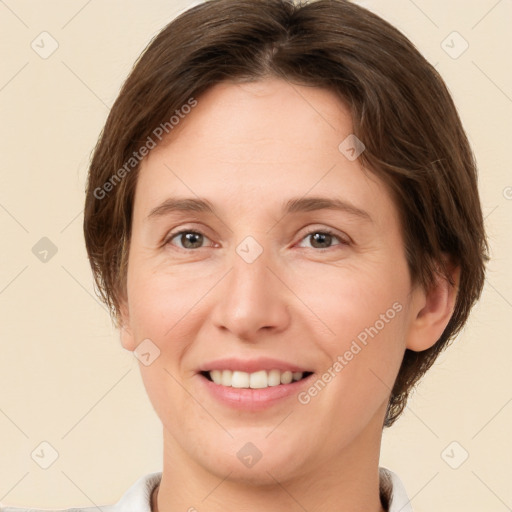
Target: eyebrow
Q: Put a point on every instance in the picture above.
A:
(294, 205)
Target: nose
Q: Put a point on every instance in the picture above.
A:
(253, 299)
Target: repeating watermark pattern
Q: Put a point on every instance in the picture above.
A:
(158, 133)
(44, 455)
(44, 250)
(249, 249)
(351, 147)
(146, 352)
(454, 45)
(455, 455)
(249, 454)
(45, 45)
(304, 397)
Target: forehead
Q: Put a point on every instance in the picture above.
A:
(259, 143)
(263, 112)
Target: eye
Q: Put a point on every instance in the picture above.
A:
(324, 236)
(188, 238)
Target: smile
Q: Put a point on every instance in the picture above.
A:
(256, 380)
(254, 391)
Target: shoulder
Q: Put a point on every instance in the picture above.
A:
(110, 508)
(136, 499)
(394, 491)
(22, 509)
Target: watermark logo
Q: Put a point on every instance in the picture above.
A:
(45, 45)
(454, 45)
(137, 156)
(146, 352)
(249, 454)
(454, 455)
(44, 250)
(351, 147)
(249, 249)
(361, 341)
(44, 455)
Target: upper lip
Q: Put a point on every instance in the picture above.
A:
(251, 365)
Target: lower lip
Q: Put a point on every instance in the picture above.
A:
(249, 399)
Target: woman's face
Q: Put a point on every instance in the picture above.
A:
(267, 274)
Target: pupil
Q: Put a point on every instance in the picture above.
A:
(319, 238)
(324, 238)
(189, 237)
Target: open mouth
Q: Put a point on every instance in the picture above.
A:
(256, 380)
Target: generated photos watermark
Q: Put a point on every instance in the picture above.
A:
(361, 341)
(158, 133)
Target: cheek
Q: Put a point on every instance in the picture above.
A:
(161, 308)
(362, 323)
(351, 302)
(160, 301)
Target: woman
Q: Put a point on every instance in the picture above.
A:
(282, 214)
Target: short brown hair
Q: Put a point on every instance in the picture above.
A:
(401, 110)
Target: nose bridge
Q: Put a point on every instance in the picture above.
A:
(252, 297)
(251, 274)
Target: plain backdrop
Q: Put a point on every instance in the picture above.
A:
(65, 379)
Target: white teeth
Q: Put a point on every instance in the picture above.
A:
(286, 377)
(216, 376)
(240, 380)
(226, 377)
(256, 380)
(274, 378)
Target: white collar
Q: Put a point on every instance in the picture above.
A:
(399, 501)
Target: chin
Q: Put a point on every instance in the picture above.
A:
(256, 459)
(265, 472)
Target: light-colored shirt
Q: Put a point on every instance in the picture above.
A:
(138, 497)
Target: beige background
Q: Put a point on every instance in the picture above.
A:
(65, 378)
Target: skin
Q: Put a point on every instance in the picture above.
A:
(247, 148)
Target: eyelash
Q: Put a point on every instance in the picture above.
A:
(323, 231)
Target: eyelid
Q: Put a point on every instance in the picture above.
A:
(343, 238)
(173, 234)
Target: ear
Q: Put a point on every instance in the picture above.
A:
(432, 310)
(125, 331)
